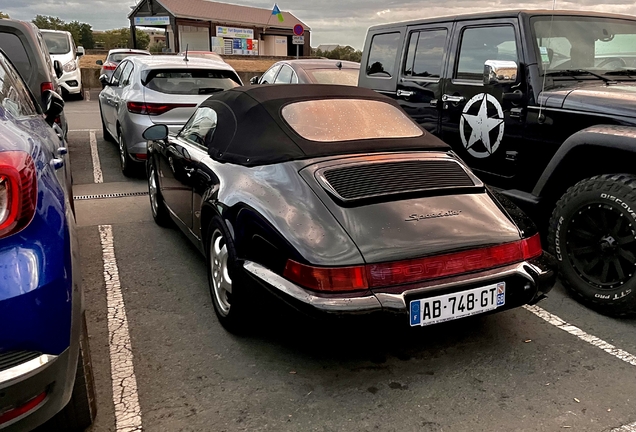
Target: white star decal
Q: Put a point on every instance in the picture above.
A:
(481, 125)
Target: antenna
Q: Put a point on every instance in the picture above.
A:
(186, 53)
(541, 116)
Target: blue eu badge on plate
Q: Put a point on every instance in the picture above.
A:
(415, 312)
(501, 294)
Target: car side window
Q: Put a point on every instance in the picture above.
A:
(17, 53)
(479, 44)
(117, 74)
(14, 96)
(200, 128)
(294, 79)
(268, 77)
(284, 76)
(126, 74)
(426, 54)
(382, 55)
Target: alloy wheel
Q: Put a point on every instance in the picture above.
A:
(221, 281)
(601, 245)
(122, 151)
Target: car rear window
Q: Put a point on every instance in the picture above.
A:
(14, 49)
(57, 43)
(332, 120)
(118, 57)
(191, 81)
(334, 76)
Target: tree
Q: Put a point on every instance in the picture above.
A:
(4, 15)
(342, 53)
(157, 47)
(120, 38)
(82, 33)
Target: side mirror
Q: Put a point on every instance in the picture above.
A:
(500, 72)
(54, 106)
(99, 62)
(58, 68)
(254, 80)
(80, 51)
(156, 132)
(104, 80)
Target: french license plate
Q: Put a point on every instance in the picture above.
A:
(457, 305)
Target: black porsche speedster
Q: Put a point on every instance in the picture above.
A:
(334, 199)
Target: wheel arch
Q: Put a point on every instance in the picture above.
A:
(602, 149)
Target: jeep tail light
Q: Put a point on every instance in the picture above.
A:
(331, 279)
(46, 86)
(154, 109)
(18, 191)
(410, 271)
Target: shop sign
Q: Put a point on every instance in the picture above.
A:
(152, 20)
(233, 32)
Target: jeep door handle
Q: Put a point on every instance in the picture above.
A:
(189, 171)
(405, 93)
(453, 99)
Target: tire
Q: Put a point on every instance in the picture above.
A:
(592, 233)
(80, 412)
(157, 206)
(127, 164)
(107, 136)
(231, 308)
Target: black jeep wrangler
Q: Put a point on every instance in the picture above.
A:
(542, 106)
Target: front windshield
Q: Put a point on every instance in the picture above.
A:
(57, 43)
(594, 44)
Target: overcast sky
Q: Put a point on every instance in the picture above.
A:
(331, 21)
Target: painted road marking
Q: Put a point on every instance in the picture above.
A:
(82, 130)
(97, 167)
(593, 340)
(87, 96)
(627, 428)
(125, 396)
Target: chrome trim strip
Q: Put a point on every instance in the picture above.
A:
(25, 368)
(397, 301)
(356, 304)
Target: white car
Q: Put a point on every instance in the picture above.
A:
(148, 90)
(62, 48)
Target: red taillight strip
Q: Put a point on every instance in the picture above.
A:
(18, 173)
(23, 409)
(154, 109)
(343, 279)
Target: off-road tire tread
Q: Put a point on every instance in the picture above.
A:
(607, 183)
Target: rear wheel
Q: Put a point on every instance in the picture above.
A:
(593, 235)
(80, 412)
(127, 165)
(157, 206)
(227, 286)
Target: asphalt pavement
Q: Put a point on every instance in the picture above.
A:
(557, 367)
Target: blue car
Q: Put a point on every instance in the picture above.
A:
(45, 369)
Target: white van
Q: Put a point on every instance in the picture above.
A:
(62, 48)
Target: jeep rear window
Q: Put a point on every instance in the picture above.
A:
(332, 120)
(14, 49)
(382, 55)
(190, 81)
(426, 54)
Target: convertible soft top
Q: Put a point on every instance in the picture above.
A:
(251, 129)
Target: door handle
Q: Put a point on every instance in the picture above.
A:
(189, 171)
(405, 93)
(434, 103)
(453, 99)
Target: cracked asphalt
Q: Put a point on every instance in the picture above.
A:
(504, 372)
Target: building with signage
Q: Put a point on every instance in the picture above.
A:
(202, 25)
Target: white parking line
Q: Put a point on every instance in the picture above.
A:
(125, 396)
(87, 96)
(97, 167)
(627, 428)
(82, 130)
(593, 340)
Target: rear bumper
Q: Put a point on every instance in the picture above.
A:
(529, 282)
(52, 375)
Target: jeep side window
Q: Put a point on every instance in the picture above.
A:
(426, 54)
(481, 44)
(382, 55)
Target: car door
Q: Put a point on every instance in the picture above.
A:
(179, 165)
(419, 89)
(107, 100)
(123, 82)
(484, 122)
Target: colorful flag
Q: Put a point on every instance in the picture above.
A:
(277, 12)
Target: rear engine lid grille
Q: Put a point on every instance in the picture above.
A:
(10, 359)
(371, 180)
